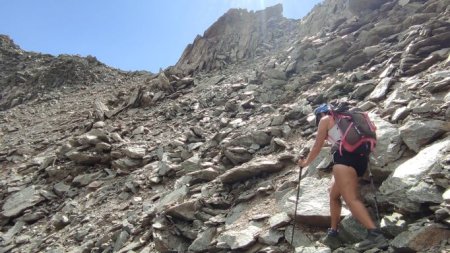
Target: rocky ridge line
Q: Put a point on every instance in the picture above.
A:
(28, 75)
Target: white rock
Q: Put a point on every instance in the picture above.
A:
(409, 174)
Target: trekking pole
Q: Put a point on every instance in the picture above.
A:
(303, 154)
(374, 196)
(296, 204)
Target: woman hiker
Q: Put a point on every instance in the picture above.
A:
(347, 167)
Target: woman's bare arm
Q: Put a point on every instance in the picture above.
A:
(322, 133)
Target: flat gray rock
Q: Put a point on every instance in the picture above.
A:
(237, 239)
(271, 237)
(250, 169)
(22, 200)
(279, 220)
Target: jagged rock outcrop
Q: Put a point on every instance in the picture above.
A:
(101, 160)
(327, 14)
(236, 36)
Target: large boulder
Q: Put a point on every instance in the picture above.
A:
(421, 238)
(405, 188)
(313, 203)
(388, 149)
(418, 133)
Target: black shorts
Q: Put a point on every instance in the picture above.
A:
(357, 161)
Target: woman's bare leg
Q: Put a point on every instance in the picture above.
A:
(346, 180)
(335, 205)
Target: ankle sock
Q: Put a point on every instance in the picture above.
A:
(332, 232)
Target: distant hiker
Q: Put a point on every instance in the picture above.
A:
(347, 167)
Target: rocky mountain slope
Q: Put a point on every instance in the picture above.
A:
(201, 157)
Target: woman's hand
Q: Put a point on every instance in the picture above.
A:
(302, 163)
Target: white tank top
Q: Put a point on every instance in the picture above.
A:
(334, 135)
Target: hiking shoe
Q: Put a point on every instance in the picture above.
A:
(331, 239)
(374, 239)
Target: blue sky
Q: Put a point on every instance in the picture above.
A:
(125, 34)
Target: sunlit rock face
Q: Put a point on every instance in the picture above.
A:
(201, 157)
